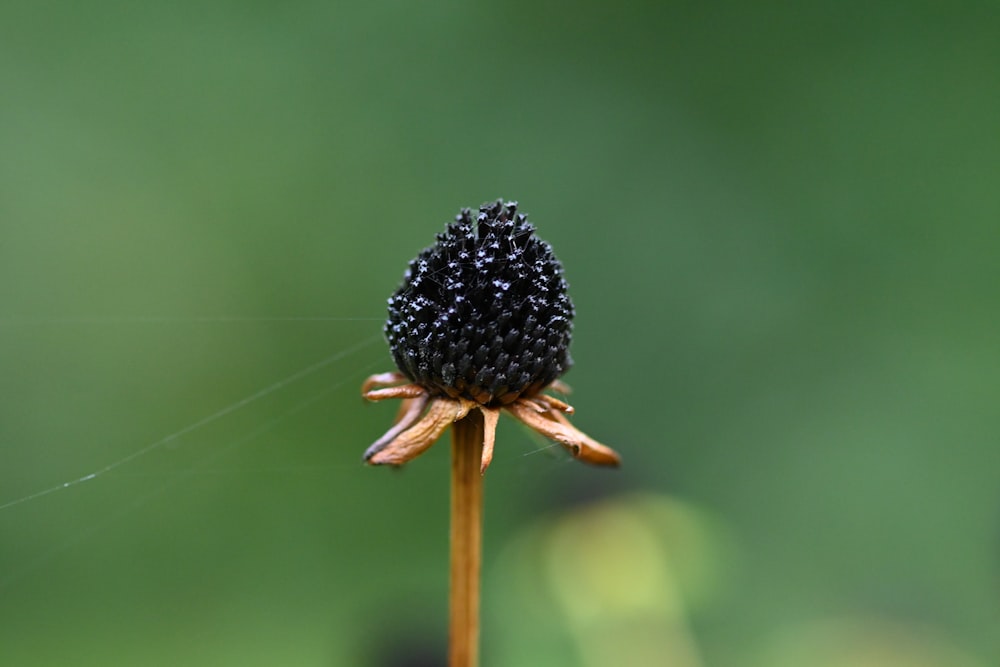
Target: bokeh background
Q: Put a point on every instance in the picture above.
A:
(780, 224)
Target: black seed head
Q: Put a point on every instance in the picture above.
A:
(483, 313)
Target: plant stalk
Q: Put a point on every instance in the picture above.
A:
(466, 540)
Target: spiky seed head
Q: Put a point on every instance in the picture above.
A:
(483, 313)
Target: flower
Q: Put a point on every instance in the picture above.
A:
(482, 321)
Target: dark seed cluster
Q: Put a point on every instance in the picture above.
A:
(483, 313)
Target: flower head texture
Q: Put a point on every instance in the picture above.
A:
(482, 321)
(483, 313)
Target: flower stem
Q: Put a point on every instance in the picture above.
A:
(466, 540)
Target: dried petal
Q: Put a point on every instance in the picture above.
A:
(415, 440)
(490, 418)
(409, 411)
(553, 425)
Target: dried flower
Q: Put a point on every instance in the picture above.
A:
(482, 322)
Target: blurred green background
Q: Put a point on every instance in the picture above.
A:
(780, 224)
